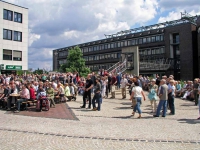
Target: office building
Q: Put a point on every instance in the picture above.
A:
(13, 37)
(172, 47)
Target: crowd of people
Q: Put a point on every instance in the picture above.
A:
(95, 87)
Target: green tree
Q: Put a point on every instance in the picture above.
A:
(75, 62)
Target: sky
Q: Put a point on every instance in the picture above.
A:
(56, 24)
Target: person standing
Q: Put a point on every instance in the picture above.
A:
(163, 95)
(153, 95)
(118, 77)
(87, 92)
(123, 83)
(199, 98)
(97, 95)
(195, 91)
(113, 83)
(171, 95)
(137, 92)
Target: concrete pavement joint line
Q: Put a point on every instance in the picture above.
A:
(106, 138)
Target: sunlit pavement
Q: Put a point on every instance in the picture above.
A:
(111, 128)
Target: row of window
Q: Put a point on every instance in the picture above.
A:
(131, 42)
(8, 15)
(152, 51)
(60, 62)
(12, 55)
(97, 67)
(12, 35)
(102, 56)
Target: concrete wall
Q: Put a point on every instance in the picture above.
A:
(135, 51)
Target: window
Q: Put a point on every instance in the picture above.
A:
(158, 38)
(153, 52)
(85, 50)
(112, 45)
(153, 38)
(125, 43)
(161, 38)
(157, 51)
(140, 41)
(118, 55)
(148, 39)
(7, 54)
(17, 17)
(122, 43)
(148, 52)
(7, 15)
(90, 49)
(133, 42)
(7, 34)
(144, 40)
(162, 50)
(118, 44)
(94, 48)
(129, 42)
(106, 46)
(17, 36)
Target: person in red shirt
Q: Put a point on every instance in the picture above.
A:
(32, 92)
(113, 83)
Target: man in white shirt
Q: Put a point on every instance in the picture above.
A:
(123, 83)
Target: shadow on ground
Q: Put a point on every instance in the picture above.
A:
(189, 121)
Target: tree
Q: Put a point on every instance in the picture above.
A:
(75, 62)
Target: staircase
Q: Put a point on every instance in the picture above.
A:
(119, 67)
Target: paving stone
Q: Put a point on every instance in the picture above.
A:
(111, 128)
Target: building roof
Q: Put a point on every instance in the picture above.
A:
(13, 4)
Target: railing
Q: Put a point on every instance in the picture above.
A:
(111, 68)
(119, 67)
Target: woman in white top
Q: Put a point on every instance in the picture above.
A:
(137, 92)
(103, 93)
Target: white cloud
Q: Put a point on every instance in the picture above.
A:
(55, 24)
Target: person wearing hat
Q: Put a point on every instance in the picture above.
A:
(153, 88)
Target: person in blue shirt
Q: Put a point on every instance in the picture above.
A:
(118, 80)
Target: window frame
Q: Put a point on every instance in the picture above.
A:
(17, 17)
(7, 16)
(6, 38)
(17, 32)
(4, 55)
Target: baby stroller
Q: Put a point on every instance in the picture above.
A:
(42, 102)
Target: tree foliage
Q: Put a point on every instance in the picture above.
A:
(75, 62)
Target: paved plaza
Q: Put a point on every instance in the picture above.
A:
(111, 128)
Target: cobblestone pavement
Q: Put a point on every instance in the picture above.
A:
(111, 128)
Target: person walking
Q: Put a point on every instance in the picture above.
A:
(137, 92)
(163, 95)
(123, 83)
(153, 88)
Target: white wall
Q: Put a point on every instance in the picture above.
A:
(14, 45)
